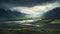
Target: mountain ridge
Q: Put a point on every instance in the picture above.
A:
(10, 14)
(54, 13)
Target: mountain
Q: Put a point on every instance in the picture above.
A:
(54, 13)
(10, 14)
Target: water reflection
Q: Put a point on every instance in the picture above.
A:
(23, 22)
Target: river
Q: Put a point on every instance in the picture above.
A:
(23, 22)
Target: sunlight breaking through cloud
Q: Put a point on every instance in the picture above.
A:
(36, 10)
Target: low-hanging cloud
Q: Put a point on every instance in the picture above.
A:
(33, 7)
(36, 10)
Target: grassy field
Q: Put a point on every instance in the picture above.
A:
(32, 30)
(29, 31)
(56, 22)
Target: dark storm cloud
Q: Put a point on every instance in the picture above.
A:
(25, 2)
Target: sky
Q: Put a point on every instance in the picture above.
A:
(35, 8)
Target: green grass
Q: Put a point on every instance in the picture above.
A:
(30, 31)
(56, 22)
(16, 19)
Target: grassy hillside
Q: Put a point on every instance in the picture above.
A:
(29, 31)
(14, 28)
(56, 21)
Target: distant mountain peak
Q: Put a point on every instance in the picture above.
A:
(54, 13)
(10, 14)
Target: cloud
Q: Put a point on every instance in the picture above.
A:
(33, 7)
(37, 10)
(28, 3)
